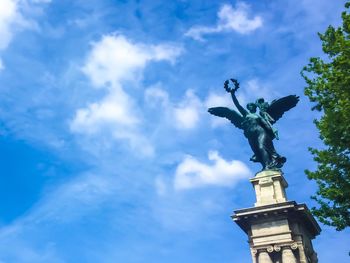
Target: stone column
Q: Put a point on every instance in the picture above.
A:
(302, 255)
(253, 252)
(264, 257)
(288, 255)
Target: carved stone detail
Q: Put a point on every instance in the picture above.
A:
(277, 248)
(294, 246)
(269, 249)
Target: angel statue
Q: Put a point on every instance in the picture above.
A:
(263, 106)
(258, 128)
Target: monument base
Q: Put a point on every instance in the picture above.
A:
(279, 231)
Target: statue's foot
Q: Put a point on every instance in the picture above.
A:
(277, 163)
(254, 159)
(280, 161)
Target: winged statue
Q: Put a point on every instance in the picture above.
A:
(258, 126)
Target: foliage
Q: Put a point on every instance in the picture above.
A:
(328, 86)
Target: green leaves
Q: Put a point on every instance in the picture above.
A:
(328, 86)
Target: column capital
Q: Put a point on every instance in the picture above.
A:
(277, 248)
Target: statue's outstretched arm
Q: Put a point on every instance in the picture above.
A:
(236, 102)
(234, 98)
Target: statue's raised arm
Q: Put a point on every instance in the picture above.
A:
(230, 114)
(232, 91)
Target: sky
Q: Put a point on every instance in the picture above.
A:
(107, 151)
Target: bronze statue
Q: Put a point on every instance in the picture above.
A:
(258, 128)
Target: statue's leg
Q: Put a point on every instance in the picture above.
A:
(254, 145)
(260, 155)
(265, 147)
(276, 160)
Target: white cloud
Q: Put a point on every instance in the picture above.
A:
(113, 110)
(252, 90)
(229, 19)
(188, 111)
(192, 173)
(115, 58)
(12, 20)
(184, 115)
(237, 19)
(113, 62)
(215, 99)
(8, 16)
(155, 96)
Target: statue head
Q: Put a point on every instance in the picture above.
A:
(262, 104)
(251, 107)
(260, 101)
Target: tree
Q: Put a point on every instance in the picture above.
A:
(328, 86)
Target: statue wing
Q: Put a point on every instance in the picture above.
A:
(227, 113)
(280, 106)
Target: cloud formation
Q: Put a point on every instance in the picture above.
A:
(184, 115)
(115, 58)
(9, 15)
(113, 63)
(191, 173)
(229, 19)
(13, 19)
(187, 112)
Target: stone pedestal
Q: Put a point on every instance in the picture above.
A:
(269, 188)
(279, 231)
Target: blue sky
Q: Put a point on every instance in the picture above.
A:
(107, 153)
